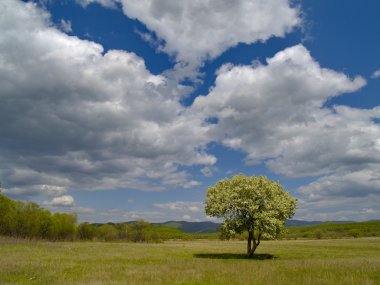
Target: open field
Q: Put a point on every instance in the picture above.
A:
(343, 261)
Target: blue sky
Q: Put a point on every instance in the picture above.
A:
(123, 109)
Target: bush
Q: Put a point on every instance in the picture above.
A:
(354, 233)
(28, 220)
(319, 234)
(106, 232)
(86, 231)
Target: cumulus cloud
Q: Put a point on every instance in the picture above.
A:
(376, 74)
(339, 208)
(275, 111)
(213, 25)
(359, 183)
(207, 171)
(363, 214)
(186, 217)
(120, 215)
(34, 190)
(181, 206)
(105, 3)
(62, 201)
(66, 26)
(73, 116)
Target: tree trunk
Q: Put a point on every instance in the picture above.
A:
(250, 249)
(252, 243)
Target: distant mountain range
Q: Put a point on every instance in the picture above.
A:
(211, 227)
(192, 227)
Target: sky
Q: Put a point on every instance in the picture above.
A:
(120, 110)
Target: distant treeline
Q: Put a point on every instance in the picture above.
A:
(28, 220)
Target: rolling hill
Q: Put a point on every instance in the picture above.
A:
(211, 227)
(192, 227)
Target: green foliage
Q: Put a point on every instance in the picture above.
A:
(86, 231)
(190, 227)
(142, 231)
(64, 226)
(107, 232)
(249, 203)
(318, 234)
(161, 233)
(137, 231)
(7, 215)
(28, 220)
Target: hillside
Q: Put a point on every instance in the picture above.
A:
(295, 228)
(192, 227)
(300, 223)
(211, 227)
(336, 230)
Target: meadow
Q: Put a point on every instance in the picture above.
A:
(334, 261)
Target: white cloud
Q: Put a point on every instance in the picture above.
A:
(74, 117)
(62, 201)
(181, 206)
(89, 121)
(214, 25)
(105, 3)
(376, 74)
(207, 171)
(179, 24)
(275, 111)
(347, 195)
(66, 26)
(34, 181)
(358, 183)
(83, 210)
(34, 190)
(122, 216)
(212, 219)
(345, 215)
(339, 209)
(186, 217)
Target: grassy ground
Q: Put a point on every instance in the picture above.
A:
(343, 261)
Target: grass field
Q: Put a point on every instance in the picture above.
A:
(343, 261)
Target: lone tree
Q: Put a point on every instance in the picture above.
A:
(250, 203)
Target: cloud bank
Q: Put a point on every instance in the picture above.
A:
(213, 25)
(276, 114)
(75, 117)
(72, 116)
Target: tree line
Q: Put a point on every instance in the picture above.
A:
(27, 220)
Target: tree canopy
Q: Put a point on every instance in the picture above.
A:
(250, 203)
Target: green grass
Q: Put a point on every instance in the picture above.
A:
(343, 261)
